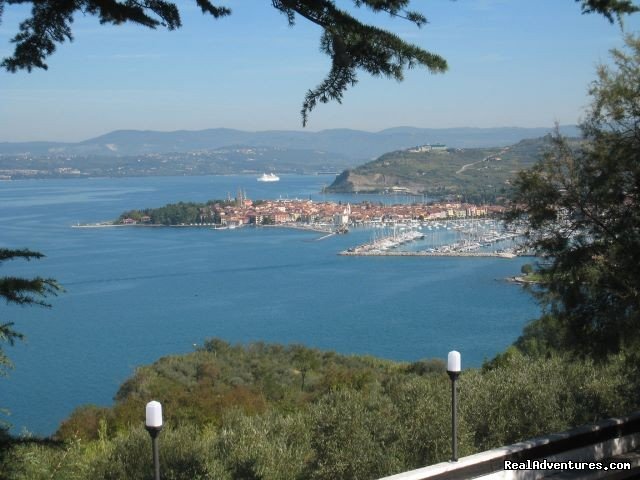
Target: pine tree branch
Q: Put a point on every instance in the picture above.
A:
(7, 254)
(24, 291)
(8, 334)
(612, 10)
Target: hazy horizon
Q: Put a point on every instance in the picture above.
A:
(300, 130)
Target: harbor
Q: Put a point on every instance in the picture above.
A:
(453, 238)
(429, 254)
(485, 237)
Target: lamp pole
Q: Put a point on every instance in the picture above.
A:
(153, 424)
(453, 369)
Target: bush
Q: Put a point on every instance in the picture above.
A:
(427, 366)
(354, 437)
(84, 423)
(424, 421)
(36, 459)
(185, 454)
(523, 397)
(272, 446)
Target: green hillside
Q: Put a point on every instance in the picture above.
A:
(278, 412)
(476, 174)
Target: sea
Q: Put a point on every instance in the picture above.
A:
(133, 295)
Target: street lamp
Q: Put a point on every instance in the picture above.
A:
(153, 424)
(453, 369)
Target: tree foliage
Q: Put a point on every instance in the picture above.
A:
(611, 9)
(351, 44)
(21, 291)
(581, 209)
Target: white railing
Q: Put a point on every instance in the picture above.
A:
(589, 443)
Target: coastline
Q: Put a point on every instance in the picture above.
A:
(315, 229)
(428, 254)
(109, 225)
(327, 232)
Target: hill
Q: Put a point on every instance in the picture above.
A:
(221, 161)
(478, 174)
(280, 412)
(353, 144)
(224, 151)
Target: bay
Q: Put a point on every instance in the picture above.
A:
(134, 295)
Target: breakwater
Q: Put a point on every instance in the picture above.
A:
(378, 253)
(317, 228)
(485, 238)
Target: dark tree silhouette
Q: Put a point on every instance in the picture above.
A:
(21, 291)
(581, 209)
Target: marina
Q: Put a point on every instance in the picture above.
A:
(430, 254)
(454, 238)
(451, 238)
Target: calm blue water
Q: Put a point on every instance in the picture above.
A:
(134, 295)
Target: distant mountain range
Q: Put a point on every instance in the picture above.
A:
(353, 145)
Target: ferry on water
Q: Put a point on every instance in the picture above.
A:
(269, 177)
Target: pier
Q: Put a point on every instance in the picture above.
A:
(447, 238)
(423, 253)
(443, 239)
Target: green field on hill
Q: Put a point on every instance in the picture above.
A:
(472, 174)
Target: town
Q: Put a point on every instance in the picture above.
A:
(323, 216)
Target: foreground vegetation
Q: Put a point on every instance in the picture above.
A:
(580, 210)
(288, 412)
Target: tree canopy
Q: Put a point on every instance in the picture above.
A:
(581, 209)
(351, 44)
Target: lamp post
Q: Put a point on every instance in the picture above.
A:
(153, 424)
(453, 369)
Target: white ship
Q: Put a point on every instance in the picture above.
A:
(269, 177)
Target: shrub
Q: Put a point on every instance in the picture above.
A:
(272, 446)
(353, 436)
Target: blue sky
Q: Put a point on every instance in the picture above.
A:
(511, 63)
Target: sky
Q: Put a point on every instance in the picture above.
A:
(526, 63)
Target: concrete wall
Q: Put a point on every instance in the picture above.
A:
(597, 442)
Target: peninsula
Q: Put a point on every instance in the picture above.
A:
(242, 211)
(447, 229)
(475, 175)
